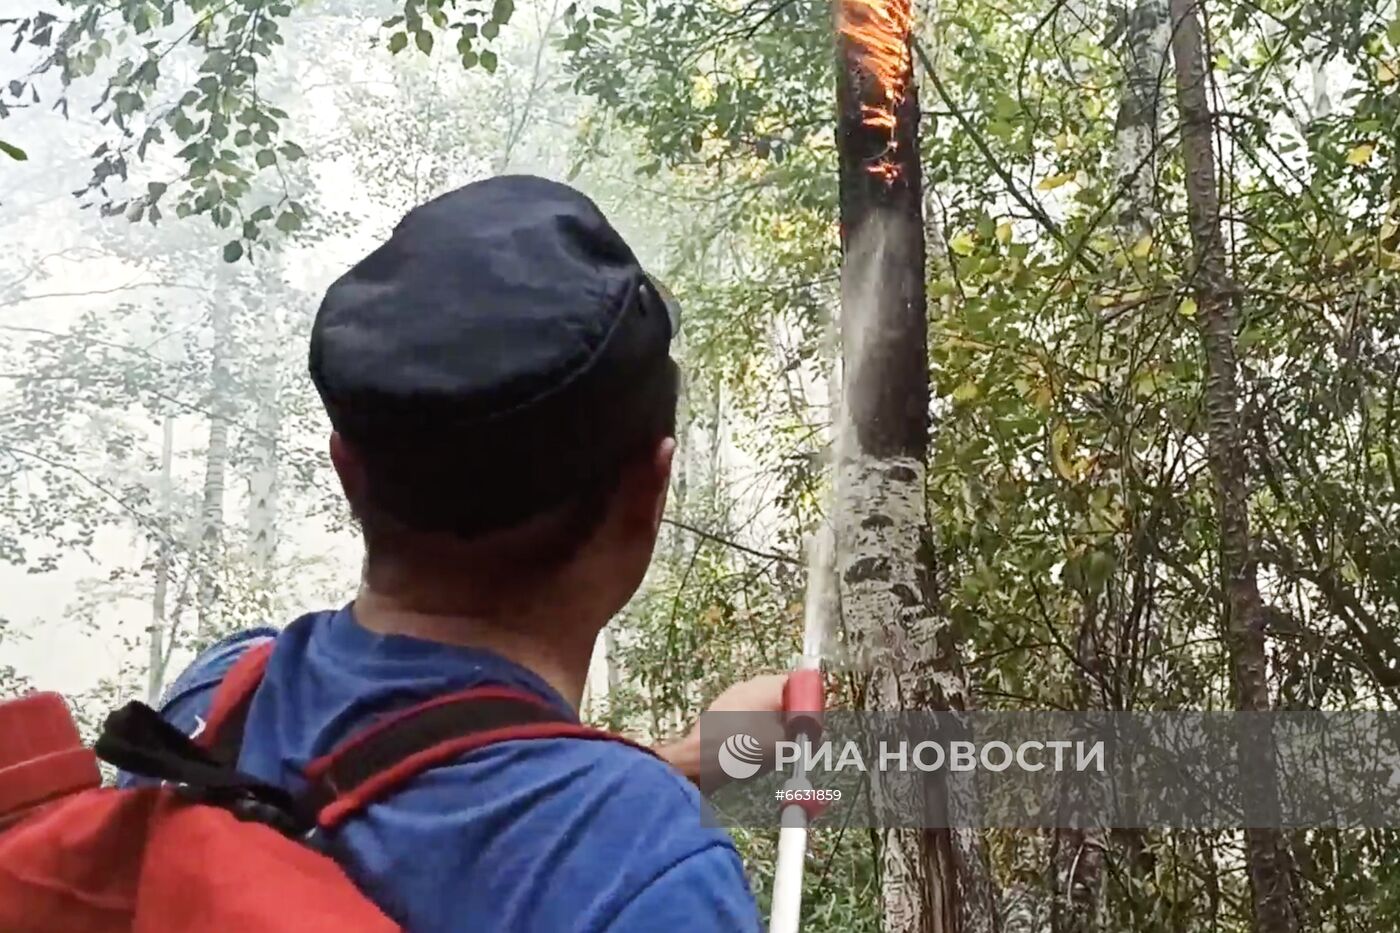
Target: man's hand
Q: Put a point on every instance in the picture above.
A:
(762, 694)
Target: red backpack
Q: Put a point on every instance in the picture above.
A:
(212, 849)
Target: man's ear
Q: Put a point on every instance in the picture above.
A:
(642, 492)
(348, 467)
(661, 474)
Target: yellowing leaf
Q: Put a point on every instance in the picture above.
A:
(1386, 72)
(966, 392)
(1143, 247)
(1187, 308)
(1062, 451)
(1062, 141)
(1055, 181)
(1361, 154)
(963, 243)
(1004, 233)
(1043, 397)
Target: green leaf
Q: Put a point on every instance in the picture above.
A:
(966, 392)
(424, 40)
(14, 152)
(488, 61)
(288, 222)
(502, 10)
(397, 42)
(267, 158)
(233, 251)
(262, 214)
(491, 30)
(292, 151)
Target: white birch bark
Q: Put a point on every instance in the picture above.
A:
(155, 674)
(263, 491)
(211, 511)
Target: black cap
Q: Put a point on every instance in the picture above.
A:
(501, 351)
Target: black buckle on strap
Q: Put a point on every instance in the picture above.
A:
(137, 740)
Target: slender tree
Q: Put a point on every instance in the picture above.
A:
(263, 483)
(210, 529)
(1078, 853)
(155, 674)
(1270, 864)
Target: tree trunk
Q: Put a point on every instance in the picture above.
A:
(1145, 38)
(1270, 868)
(155, 674)
(211, 510)
(263, 499)
(934, 881)
(680, 476)
(716, 506)
(1077, 855)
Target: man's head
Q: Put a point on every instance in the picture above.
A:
(503, 399)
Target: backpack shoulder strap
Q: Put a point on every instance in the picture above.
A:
(374, 763)
(223, 727)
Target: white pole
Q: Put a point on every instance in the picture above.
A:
(786, 913)
(787, 881)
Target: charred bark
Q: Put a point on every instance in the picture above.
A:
(934, 881)
(1269, 861)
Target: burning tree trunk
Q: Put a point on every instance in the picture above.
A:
(934, 881)
(1270, 864)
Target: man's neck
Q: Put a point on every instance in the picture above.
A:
(553, 645)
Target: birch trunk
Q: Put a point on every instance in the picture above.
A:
(1078, 854)
(1269, 861)
(155, 674)
(211, 511)
(933, 881)
(263, 499)
(1136, 133)
(680, 481)
(716, 507)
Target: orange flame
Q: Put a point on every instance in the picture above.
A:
(878, 31)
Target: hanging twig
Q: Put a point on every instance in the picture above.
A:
(710, 536)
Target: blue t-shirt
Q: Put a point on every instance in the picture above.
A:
(542, 835)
